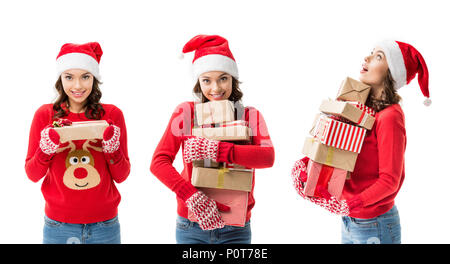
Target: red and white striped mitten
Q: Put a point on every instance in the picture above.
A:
(111, 136)
(200, 148)
(48, 143)
(330, 203)
(206, 211)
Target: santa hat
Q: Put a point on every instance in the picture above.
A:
(211, 54)
(405, 62)
(79, 56)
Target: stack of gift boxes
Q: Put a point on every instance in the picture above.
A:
(228, 184)
(336, 139)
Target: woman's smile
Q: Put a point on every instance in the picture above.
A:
(78, 94)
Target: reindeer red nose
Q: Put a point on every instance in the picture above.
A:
(80, 173)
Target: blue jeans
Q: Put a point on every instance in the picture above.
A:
(189, 232)
(383, 229)
(107, 232)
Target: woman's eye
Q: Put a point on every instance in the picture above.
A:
(68, 77)
(224, 78)
(379, 57)
(86, 77)
(205, 81)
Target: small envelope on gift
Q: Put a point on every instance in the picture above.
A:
(353, 90)
(82, 130)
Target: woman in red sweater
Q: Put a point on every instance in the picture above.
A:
(215, 72)
(368, 208)
(79, 175)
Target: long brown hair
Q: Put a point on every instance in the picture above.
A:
(235, 96)
(389, 95)
(94, 110)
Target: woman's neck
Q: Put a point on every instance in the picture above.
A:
(377, 91)
(76, 107)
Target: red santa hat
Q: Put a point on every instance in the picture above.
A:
(211, 54)
(405, 62)
(79, 56)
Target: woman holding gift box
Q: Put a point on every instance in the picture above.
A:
(216, 75)
(367, 205)
(79, 175)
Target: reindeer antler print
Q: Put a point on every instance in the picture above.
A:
(87, 144)
(71, 146)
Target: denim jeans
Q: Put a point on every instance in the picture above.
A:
(107, 232)
(188, 232)
(383, 229)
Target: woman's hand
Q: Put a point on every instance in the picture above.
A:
(330, 203)
(200, 148)
(48, 143)
(206, 211)
(111, 136)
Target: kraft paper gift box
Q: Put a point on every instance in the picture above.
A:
(353, 90)
(230, 131)
(239, 179)
(208, 163)
(338, 134)
(82, 130)
(334, 157)
(354, 112)
(236, 200)
(214, 112)
(329, 178)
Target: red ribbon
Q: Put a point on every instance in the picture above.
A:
(324, 177)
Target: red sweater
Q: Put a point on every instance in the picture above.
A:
(259, 153)
(64, 202)
(380, 169)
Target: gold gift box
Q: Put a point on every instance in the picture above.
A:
(82, 130)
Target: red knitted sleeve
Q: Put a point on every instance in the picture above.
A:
(119, 162)
(168, 147)
(391, 141)
(36, 167)
(260, 154)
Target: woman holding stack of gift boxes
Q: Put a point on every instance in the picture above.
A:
(369, 213)
(203, 213)
(79, 156)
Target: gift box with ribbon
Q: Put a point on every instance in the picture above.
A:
(225, 131)
(214, 112)
(353, 90)
(330, 156)
(236, 200)
(338, 134)
(354, 112)
(228, 177)
(82, 130)
(323, 177)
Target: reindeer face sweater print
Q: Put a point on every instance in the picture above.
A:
(79, 180)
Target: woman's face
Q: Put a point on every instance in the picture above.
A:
(374, 68)
(216, 85)
(77, 85)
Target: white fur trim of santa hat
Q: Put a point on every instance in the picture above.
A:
(77, 61)
(214, 62)
(395, 61)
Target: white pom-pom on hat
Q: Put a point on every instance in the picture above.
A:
(427, 102)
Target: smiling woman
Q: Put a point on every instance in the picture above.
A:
(79, 175)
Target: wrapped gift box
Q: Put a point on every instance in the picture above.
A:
(236, 200)
(214, 112)
(82, 130)
(354, 112)
(320, 175)
(353, 90)
(230, 131)
(330, 156)
(206, 163)
(230, 178)
(338, 134)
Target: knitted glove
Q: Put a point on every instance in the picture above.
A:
(200, 148)
(329, 202)
(111, 136)
(206, 211)
(48, 143)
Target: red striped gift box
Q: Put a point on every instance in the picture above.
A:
(339, 134)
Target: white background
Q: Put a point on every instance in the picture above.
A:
(290, 55)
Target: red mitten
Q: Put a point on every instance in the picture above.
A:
(200, 148)
(330, 203)
(48, 143)
(111, 136)
(206, 211)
